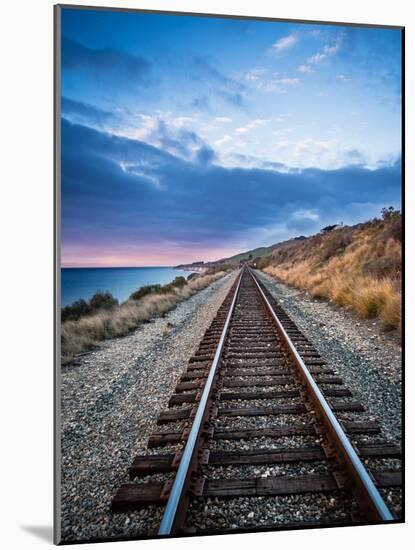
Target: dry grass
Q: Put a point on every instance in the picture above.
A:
(86, 332)
(359, 268)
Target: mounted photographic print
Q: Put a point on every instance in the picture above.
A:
(228, 274)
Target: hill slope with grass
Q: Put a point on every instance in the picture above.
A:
(255, 253)
(359, 267)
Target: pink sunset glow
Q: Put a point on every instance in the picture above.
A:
(73, 256)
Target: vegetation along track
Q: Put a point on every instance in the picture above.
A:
(260, 433)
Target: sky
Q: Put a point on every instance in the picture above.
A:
(191, 138)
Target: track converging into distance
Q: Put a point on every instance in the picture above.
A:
(259, 415)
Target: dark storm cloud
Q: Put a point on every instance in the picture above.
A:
(118, 188)
(183, 143)
(104, 63)
(206, 155)
(84, 112)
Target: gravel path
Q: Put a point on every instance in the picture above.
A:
(368, 360)
(110, 404)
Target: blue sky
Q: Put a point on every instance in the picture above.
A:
(188, 138)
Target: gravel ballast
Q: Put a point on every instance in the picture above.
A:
(111, 398)
(367, 359)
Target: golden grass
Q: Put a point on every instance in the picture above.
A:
(86, 332)
(363, 276)
(391, 313)
(370, 296)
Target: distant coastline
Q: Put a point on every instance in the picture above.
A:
(192, 268)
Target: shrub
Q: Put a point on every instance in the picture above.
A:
(75, 310)
(178, 282)
(263, 262)
(80, 308)
(335, 242)
(328, 228)
(393, 227)
(144, 291)
(102, 300)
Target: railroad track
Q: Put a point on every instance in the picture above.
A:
(259, 420)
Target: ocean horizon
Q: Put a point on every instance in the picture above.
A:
(83, 282)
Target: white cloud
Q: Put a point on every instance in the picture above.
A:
(226, 138)
(342, 78)
(284, 43)
(254, 124)
(148, 129)
(309, 144)
(271, 82)
(305, 69)
(182, 121)
(255, 74)
(148, 125)
(327, 51)
(317, 58)
(223, 119)
(289, 81)
(305, 214)
(331, 50)
(135, 169)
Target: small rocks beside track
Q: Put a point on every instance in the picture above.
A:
(368, 359)
(110, 400)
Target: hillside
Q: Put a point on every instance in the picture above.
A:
(250, 254)
(257, 253)
(358, 267)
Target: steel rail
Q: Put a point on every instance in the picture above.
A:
(372, 500)
(182, 472)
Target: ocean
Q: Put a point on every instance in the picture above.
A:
(83, 282)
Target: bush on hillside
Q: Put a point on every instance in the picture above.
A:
(75, 310)
(102, 300)
(144, 291)
(335, 242)
(264, 261)
(178, 282)
(81, 308)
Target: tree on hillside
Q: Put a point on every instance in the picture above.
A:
(329, 228)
